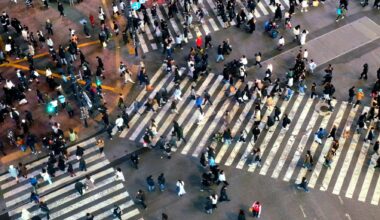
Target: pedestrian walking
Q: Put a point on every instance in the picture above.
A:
(119, 175)
(70, 169)
(258, 59)
(150, 183)
(376, 147)
(161, 182)
(333, 132)
(119, 122)
(303, 36)
(285, 122)
(100, 145)
(34, 197)
(44, 208)
(351, 95)
(319, 135)
(277, 113)
(117, 212)
(79, 187)
(46, 176)
(370, 135)
(241, 215)
(89, 182)
(82, 164)
(89, 216)
(223, 194)
(303, 184)
(214, 200)
(178, 131)
(140, 197)
(308, 162)
(364, 74)
(25, 215)
(359, 97)
(256, 209)
(180, 188)
(61, 9)
(208, 205)
(23, 171)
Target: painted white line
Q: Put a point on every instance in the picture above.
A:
(236, 126)
(190, 105)
(264, 144)
(143, 45)
(346, 164)
(55, 194)
(301, 147)
(109, 214)
(186, 112)
(357, 170)
(213, 24)
(348, 216)
(100, 205)
(96, 197)
(212, 125)
(56, 183)
(130, 214)
(327, 143)
(166, 110)
(135, 118)
(268, 160)
(290, 144)
(213, 7)
(248, 127)
(160, 16)
(262, 8)
(26, 185)
(146, 27)
(340, 200)
(199, 128)
(303, 212)
(45, 160)
(319, 164)
(376, 193)
(367, 182)
(146, 120)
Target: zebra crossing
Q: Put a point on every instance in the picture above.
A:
(61, 197)
(351, 173)
(212, 22)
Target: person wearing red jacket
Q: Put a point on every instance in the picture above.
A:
(256, 209)
(199, 42)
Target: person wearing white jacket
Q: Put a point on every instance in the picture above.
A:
(180, 188)
(119, 175)
(303, 37)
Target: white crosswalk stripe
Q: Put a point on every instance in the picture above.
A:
(211, 24)
(61, 197)
(291, 140)
(282, 164)
(279, 139)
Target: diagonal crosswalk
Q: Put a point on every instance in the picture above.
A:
(212, 23)
(282, 150)
(61, 197)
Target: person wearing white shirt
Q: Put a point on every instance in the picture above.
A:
(180, 188)
(44, 174)
(312, 66)
(281, 43)
(305, 54)
(119, 175)
(244, 60)
(119, 123)
(177, 94)
(221, 178)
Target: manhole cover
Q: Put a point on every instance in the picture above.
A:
(324, 108)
